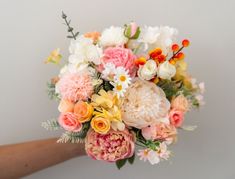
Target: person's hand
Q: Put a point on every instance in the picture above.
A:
(18, 160)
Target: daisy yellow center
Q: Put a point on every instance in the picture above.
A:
(122, 78)
(119, 87)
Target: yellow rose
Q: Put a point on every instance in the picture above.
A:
(100, 124)
(84, 111)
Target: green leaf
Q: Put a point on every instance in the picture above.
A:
(52, 124)
(131, 159)
(69, 36)
(120, 163)
(76, 34)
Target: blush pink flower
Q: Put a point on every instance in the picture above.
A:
(113, 146)
(69, 121)
(176, 117)
(119, 57)
(160, 131)
(75, 87)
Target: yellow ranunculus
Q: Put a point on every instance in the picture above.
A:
(54, 57)
(100, 124)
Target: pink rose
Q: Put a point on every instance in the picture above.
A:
(119, 57)
(113, 146)
(69, 121)
(176, 117)
(160, 131)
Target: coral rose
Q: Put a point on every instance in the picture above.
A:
(100, 124)
(113, 146)
(119, 57)
(93, 35)
(180, 103)
(176, 117)
(69, 122)
(83, 110)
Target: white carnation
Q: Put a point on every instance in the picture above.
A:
(148, 70)
(113, 36)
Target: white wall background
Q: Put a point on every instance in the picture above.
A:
(31, 29)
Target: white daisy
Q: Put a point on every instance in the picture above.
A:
(119, 89)
(122, 76)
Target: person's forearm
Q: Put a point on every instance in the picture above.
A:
(18, 160)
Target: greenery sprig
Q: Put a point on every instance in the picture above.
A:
(70, 29)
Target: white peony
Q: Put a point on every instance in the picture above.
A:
(166, 70)
(113, 36)
(158, 37)
(148, 70)
(144, 104)
(83, 51)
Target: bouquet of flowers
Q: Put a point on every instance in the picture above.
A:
(122, 91)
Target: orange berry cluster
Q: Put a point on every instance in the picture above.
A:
(178, 55)
(157, 55)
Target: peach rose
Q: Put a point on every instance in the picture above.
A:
(180, 103)
(83, 110)
(113, 146)
(100, 124)
(176, 117)
(69, 121)
(65, 106)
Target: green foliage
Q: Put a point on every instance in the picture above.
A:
(169, 87)
(51, 91)
(70, 29)
(75, 137)
(51, 124)
(107, 86)
(131, 159)
(121, 163)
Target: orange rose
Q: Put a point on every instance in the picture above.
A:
(65, 106)
(84, 111)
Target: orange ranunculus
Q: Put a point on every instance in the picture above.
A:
(100, 124)
(65, 106)
(83, 110)
(93, 35)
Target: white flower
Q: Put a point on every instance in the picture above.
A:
(71, 68)
(109, 71)
(158, 37)
(119, 89)
(201, 87)
(113, 36)
(153, 157)
(122, 76)
(148, 70)
(200, 99)
(117, 125)
(163, 152)
(166, 70)
(83, 51)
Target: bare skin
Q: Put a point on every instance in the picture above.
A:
(18, 160)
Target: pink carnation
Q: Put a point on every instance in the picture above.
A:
(69, 121)
(113, 146)
(160, 131)
(119, 57)
(75, 87)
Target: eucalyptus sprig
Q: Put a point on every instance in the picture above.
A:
(70, 29)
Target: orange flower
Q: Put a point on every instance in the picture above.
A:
(140, 61)
(93, 35)
(157, 55)
(84, 111)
